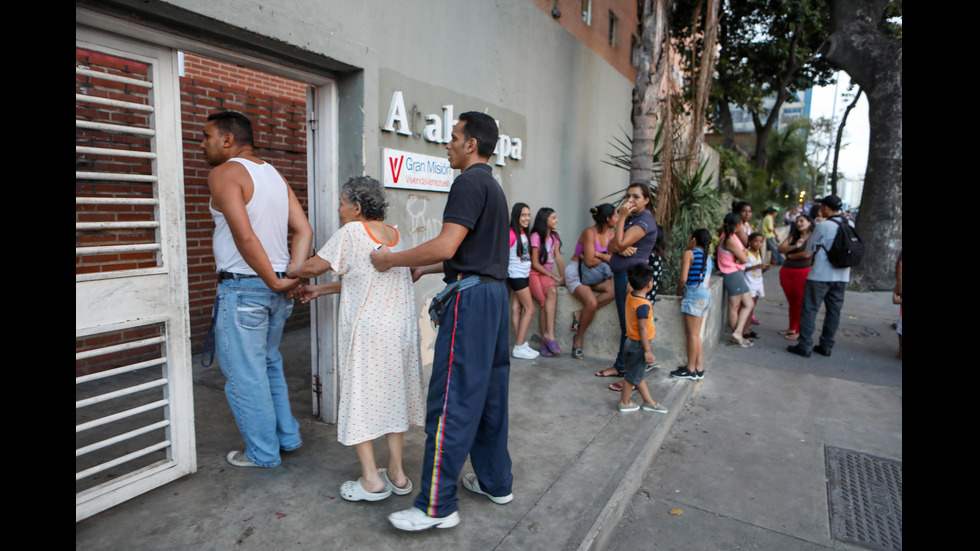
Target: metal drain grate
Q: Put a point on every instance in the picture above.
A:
(865, 494)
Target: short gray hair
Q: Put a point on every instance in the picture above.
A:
(369, 193)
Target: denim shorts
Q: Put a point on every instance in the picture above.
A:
(635, 359)
(735, 283)
(696, 301)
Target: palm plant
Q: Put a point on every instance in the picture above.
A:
(699, 205)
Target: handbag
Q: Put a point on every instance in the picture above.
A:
(594, 275)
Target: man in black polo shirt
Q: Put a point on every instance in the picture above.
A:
(466, 408)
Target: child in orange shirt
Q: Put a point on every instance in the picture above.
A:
(639, 330)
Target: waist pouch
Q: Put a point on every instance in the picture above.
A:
(441, 301)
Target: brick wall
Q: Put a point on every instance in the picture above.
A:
(279, 130)
(277, 109)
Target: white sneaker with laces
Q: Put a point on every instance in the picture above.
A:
(414, 519)
(525, 352)
(473, 484)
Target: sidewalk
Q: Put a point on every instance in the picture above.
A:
(747, 461)
(577, 461)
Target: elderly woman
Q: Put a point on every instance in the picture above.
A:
(380, 374)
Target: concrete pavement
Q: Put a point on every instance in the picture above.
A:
(738, 453)
(745, 465)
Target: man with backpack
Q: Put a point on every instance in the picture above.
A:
(834, 248)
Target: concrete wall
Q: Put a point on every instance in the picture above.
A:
(669, 345)
(507, 58)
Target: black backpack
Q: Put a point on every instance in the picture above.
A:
(847, 250)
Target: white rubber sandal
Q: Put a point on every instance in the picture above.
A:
(353, 491)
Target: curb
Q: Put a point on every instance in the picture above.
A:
(651, 439)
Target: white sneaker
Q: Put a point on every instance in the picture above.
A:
(472, 484)
(414, 519)
(525, 352)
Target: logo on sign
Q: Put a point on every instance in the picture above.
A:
(396, 167)
(406, 170)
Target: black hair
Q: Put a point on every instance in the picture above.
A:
(602, 213)
(540, 227)
(755, 234)
(732, 220)
(702, 240)
(515, 224)
(234, 123)
(815, 210)
(647, 194)
(660, 245)
(737, 206)
(482, 127)
(639, 275)
(794, 232)
(367, 192)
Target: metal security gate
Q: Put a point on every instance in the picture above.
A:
(134, 421)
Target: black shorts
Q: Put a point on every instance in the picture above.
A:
(516, 284)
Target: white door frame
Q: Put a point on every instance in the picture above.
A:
(322, 198)
(112, 302)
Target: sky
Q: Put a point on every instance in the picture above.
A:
(854, 150)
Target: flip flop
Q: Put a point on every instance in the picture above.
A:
(791, 336)
(744, 343)
(601, 374)
(353, 491)
(404, 490)
(574, 323)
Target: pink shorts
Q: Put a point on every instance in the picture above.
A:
(539, 286)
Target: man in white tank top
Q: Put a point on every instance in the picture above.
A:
(253, 210)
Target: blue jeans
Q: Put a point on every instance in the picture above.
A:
(831, 294)
(774, 249)
(248, 330)
(620, 282)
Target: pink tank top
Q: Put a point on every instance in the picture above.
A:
(726, 260)
(579, 249)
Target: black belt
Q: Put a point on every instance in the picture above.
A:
(483, 278)
(229, 275)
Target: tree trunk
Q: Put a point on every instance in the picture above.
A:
(726, 124)
(840, 137)
(706, 71)
(650, 61)
(874, 61)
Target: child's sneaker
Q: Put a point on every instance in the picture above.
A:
(524, 352)
(626, 408)
(656, 406)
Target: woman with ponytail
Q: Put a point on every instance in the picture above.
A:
(588, 272)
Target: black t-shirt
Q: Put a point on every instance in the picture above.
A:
(477, 202)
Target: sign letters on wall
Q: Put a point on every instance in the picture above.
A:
(439, 129)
